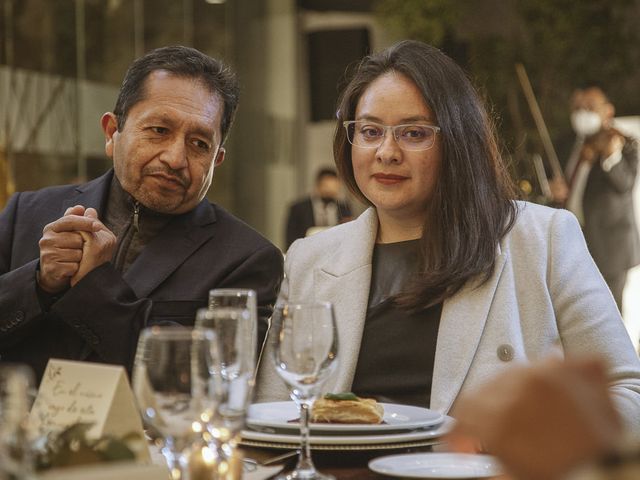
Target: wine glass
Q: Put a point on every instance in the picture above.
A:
(16, 384)
(234, 327)
(238, 298)
(305, 350)
(174, 388)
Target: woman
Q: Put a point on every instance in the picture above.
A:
(445, 280)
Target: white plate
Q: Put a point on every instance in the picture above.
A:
(387, 438)
(437, 465)
(272, 416)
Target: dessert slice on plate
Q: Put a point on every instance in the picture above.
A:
(347, 408)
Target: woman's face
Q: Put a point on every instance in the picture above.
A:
(398, 182)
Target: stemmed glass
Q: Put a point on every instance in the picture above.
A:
(233, 327)
(16, 384)
(238, 298)
(174, 388)
(305, 344)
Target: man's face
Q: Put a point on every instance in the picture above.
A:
(165, 153)
(329, 187)
(593, 100)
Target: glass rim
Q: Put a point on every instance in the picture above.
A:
(21, 371)
(298, 305)
(210, 312)
(233, 291)
(177, 332)
(15, 367)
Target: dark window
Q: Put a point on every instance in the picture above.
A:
(330, 53)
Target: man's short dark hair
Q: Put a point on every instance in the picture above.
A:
(182, 62)
(326, 172)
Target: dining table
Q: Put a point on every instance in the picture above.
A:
(340, 464)
(347, 465)
(272, 437)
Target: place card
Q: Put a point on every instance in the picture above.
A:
(73, 392)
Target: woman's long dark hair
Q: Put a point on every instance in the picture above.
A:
(472, 206)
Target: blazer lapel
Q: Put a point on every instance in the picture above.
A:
(177, 241)
(463, 319)
(344, 279)
(92, 194)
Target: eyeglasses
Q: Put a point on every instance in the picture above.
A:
(365, 134)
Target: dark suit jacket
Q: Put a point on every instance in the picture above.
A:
(609, 220)
(300, 218)
(101, 316)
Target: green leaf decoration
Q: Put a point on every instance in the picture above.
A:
(71, 447)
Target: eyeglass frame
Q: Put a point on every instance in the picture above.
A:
(435, 128)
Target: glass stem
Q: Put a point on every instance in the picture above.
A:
(304, 459)
(175, 460)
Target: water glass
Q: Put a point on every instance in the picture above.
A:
(236, 346)
(16, 393)
(238, 298)
(174, 389)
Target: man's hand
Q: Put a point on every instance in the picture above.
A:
(61, 249)
(98, 246)
(541, 420)
(559, 189)
(606, 142)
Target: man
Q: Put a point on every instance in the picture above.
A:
(600, 173)
(321, 209)
(84, 268)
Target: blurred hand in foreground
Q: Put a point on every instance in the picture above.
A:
(541, 420)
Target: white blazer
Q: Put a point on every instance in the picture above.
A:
(545, 296)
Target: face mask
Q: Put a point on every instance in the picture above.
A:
(585, 123)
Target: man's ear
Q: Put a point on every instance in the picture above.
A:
(219, 157)
(109, 123)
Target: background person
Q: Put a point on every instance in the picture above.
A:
(323, 208)
(84, 268)
(601, 172)
(446, 280)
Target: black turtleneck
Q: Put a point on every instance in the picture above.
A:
(132, 234)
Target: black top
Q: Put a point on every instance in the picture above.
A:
(398, 348)
(132, 236)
